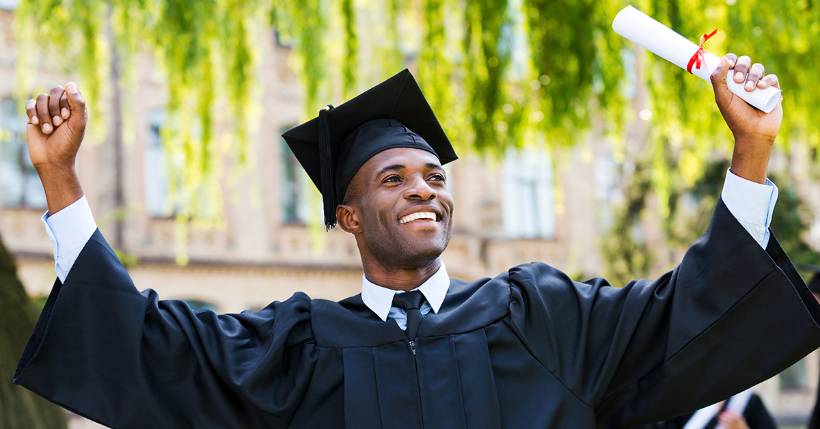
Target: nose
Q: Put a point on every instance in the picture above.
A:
(419, 189)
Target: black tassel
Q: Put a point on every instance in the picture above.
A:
(327, 168)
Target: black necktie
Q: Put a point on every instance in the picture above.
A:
(410, 302)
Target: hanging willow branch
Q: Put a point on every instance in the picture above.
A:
(350, 59)
(464, 53)
(488, 50)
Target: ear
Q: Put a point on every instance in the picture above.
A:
(348, 219)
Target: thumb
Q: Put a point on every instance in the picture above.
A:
(76, 104)
(718, 78)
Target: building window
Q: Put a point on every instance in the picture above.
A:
(156, 173)
(528, 202)
(18, 178)
(295, 188)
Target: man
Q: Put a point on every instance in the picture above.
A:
(529, 348)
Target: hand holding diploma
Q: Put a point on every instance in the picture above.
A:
(738, 85)
(754, 131)
(671, 46)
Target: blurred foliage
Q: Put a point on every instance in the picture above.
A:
(499, 73)
(19, 408)
(627, 255)
(789, 220)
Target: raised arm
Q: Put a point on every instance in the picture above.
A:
(56, 124)
(747, 193)
(54, 133)
(121, 356)
(655, 349)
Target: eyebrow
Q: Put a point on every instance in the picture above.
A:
(394, 167)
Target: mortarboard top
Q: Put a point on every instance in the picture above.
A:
(333, 146)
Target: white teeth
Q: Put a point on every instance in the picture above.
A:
(419, 215)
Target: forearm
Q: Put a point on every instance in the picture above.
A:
(61, 185)
(750, 158)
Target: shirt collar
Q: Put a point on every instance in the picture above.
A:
(379, 299)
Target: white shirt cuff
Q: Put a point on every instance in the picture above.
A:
(69, 230)
(751, 203)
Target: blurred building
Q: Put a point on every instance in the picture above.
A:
(507, 211)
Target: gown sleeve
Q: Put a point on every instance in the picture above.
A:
(652, 350)
(125, 359)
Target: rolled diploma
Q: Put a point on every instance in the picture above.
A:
(661, 40)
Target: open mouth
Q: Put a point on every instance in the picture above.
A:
(418, 216)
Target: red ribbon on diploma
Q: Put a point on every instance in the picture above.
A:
(697, 57)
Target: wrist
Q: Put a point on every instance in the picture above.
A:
(750, 158)
(61, 186)
(757, 139)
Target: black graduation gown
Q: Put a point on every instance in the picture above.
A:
(755, 413)
(529, 348)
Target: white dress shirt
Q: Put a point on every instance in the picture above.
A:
(379, 299)
(749, 202)
(69, 229)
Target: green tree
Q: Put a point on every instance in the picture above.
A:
(19, 408)
(627, 256)
(497, 71)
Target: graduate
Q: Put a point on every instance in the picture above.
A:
(528, 348)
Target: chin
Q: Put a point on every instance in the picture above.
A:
(419, 253)
(408, 250)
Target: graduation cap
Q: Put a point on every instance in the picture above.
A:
(333, 146)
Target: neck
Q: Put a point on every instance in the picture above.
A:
(399, 278)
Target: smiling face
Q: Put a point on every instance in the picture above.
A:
(399, 208)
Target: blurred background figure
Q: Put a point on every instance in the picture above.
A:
(745, 410)
(814, 286)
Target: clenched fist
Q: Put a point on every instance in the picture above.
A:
(56, 125)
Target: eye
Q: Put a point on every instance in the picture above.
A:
(393, 178)
(437, 177)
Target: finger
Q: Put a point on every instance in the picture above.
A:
(732, 59)
(76, 105)
(41, 105)
(767, 81)
(754, 75)
(741, 67)
(64, 112)
(718, 78)
(54, 105)
(31, 112)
